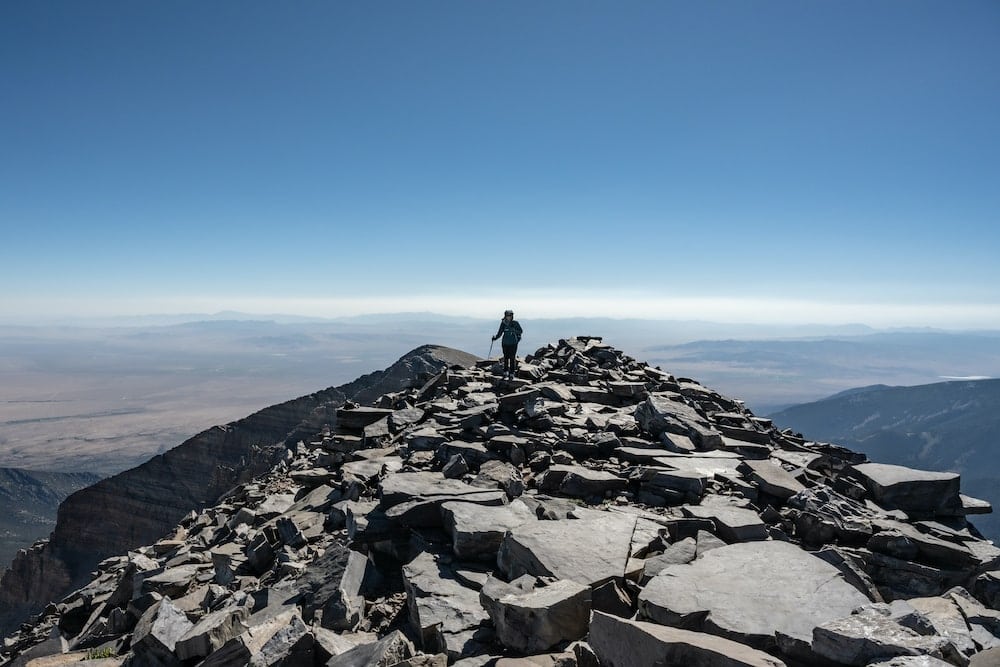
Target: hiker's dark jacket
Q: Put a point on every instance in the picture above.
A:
(511, 332)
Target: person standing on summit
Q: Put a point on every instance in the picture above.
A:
(510, 330)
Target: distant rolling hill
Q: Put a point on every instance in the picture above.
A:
(951, 426)
(774, 374)
(28, 504)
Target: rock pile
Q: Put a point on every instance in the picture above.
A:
(593, 511)
(139, 505)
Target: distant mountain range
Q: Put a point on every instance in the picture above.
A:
(774, 374)
(29, 500)
(945, 426)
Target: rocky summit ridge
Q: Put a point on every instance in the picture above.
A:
(593, 511)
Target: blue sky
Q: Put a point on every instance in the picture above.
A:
(732, 161)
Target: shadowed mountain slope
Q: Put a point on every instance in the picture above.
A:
(29, 500)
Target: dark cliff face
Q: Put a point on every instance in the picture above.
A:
(138, 506)
(30, 499)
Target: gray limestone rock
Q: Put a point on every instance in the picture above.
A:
(588, 551)
(771, 478)
(157, 632)
(748, 592)
(620, 642)
(403, 486)
(455, 467)
(332, 584)
(579, 482)
(732, 522)
(919, 546)
(660, 414)
(477, 531)
(987, 589)
(211, 632)
(385, 652)
(445, 613)
(423, 438)
(912, 661)
(988, 658)
(984, 623)
(685, 485)
(356, 418)
(497, 474)
(426, 512)
(910, 490)
(278, 640)
(328, 644)
(174, 582)
(611, 598)
(706, 542)
(535, 621)
(947, 620)
(678, 553)
(871, 635)
(824, 516)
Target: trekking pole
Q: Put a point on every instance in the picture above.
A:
(491, 350)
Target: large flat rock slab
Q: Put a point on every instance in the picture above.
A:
(911, 490)
(588, 551)
(620, 642)
(477, 531)
(405, 486)
(732, 522)
(750, 592)
(771, 478)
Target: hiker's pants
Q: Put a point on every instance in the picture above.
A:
(510, 357)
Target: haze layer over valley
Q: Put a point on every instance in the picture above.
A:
(106, 398)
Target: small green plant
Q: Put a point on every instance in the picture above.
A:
(98, 653)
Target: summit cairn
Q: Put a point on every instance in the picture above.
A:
(593, 510)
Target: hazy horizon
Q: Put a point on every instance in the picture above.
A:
(761, 313)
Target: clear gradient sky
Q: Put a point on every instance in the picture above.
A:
(733, 161)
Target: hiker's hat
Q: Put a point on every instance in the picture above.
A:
(508, 312)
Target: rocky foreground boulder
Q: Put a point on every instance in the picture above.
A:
(592, 511)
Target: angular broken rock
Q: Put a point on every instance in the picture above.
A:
(579, 482)
(948, 621)
(588, 551)
(871, 635)
(404, 486)
(771, 478)
(620, 642)
(659, 414)
(211, 632)
(910, 490)
(279, 640)
(445, 613)
(478, 530)
(332, 584)
(155, 636)
(389, 650)
(535, 621)
(749, 592)
(732, 522)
